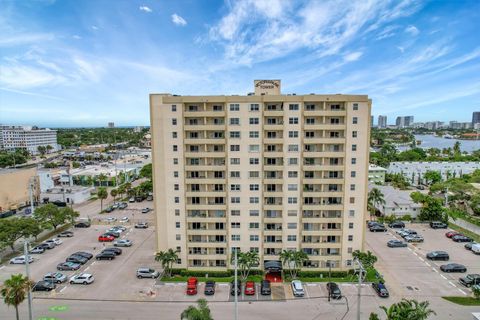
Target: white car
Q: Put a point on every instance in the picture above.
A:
(83, 278)
(56, 241)
(124, 219)
(20, 260)
(117, 230)
(37, 250)
(122, 243)
(111, 219)
(297, 288)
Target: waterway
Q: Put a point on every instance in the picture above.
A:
(431, 141)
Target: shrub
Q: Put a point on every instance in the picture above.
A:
(406, 217)
(324, 274)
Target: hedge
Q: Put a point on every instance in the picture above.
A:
(214, 274)
(323, 274)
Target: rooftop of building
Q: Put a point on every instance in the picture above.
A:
(25, 128)
(67, 189)
(395, 197)
(374, 167)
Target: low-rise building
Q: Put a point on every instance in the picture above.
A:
(376, 174)
(28, 138)
(70, 195)
(397, 202)
(15, 185)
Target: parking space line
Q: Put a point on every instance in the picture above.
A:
(428, 264)
(443, 277)
(63, 289)
(93, 263)
(2, 267)
(462, 291)
(421, 259)
(415, 253)
(409, 249)
(452, 284)
(87, 268)
(435, 270)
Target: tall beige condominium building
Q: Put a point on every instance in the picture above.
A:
(265, 172)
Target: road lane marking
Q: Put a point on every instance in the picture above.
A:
(443, 277)
(462, 291)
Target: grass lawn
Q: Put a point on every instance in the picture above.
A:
(467, 217)
(464, 301)
(474, 236)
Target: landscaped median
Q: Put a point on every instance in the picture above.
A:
(464, 301)
(465, 232)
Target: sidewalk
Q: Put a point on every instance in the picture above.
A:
(466, 225)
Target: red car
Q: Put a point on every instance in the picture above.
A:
(450, 234)
(249, 288)
(192, 286)
(105, 238)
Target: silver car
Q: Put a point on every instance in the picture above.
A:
(55, 277)
(122, 243)
(147, 273)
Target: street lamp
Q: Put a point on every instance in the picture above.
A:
(27, 271)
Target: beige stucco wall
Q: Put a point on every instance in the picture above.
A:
(14, 187)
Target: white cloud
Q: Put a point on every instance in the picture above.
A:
(22, 77)
(401, 49)
(76, 36)
(412, 30)
(146, 9)
(353, 56)
(94, 28)
(387, 32)
(24, 39)
(179, 21)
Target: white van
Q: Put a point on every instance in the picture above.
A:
(476, 248)
(297, 288)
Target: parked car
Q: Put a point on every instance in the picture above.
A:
(147, 273)
(77, 259)
(115, 250)
(139, 198)
(372, 223)
(82, 225)
(297, 288)
(141, 225)
(334, 291)
(461, 238)
(380, 289)
(47, 246)
(145, 210)
(249, 288)
(438, 225)
(84, 254)
(110, 219)
(120, 228)
(265, 288)
(116, 205)
(192, 286)
(112, 233)
(397, 224)
(55, 241)
(106, 238)
(122, 243)
(414, 238)
(438, 255)
(378, 228)
(109, 209)
(149, 198)
(235, 287)
(470, 280)
(124, 219)
(209, 288)
(122, 205)
(469, 245)
(37, 250)
(55, 277)
(44, 286)
(105, 255)
(131, 200)
(396, 244)
(407, 232)
(21, 260)
(450, 234)
(476, 248)
(83, 278)
(68, 266)
(65, 234)
(453, 267)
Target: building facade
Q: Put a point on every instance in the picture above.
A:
(376, 174)
(404, 122)
(382, 122)
(265, 172)
(397, 202)
(27, 138)
(475, 117)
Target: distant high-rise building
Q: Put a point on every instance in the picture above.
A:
(111, 125)
(404, 122)
(371, 121)
(475, 117)
(28, 138)
(382, 121)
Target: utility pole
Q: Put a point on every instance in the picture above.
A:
(361, 270)
(31, 197)
(446, 198)
(236, 291)
(27, 270)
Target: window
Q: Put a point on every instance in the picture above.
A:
(292, 187)
(291, 238)
(234, 160)
(254, 213)
(253, 237)
(175, 174)
(175, 148)
(254, 161)
(174, 135)
(354, 147)
(292, 200)
(235, 237)
(234, 121)
(178, 237)
(292, 225)
(177, 212)
(235, 200)
(177, 199)
(353, 174)
(254, 249)
(254, 107)
(293, 120)
(254, 187)
(351, 213)
(235, 187)
(177, 225)
(354, 134)
(174, 122)
(176, 186)
(293, 147)
(235, 147)
(175, 160)
(352, 200)
(254, 148)
(293, 134)
(355, 106)
(234, 107)
(350, 238)
(235, 212)
(354, 160)
(352, 187)
(253, 134)
(254, 200)
(235, 225)
(293, 107)
(254, 174)
(253, 120)
(174, 108)
(350, 225)
(292, 161)
(254, 225)
(292, 174)
(354, 120)
(235, 174)
(235, 134)
(292, 213)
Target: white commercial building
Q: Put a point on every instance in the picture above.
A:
(397, 202)
(70, 195)
(28, 138)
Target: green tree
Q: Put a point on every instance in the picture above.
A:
(294, 260)
(375, 199)
(373, 316)
(102, 194)
(42, 150)
(408, 310)
(48, 148)
(146, 171)
(457, 151)
(202, 312)
(367, 259)
(286, 256)
(432, 177)
(167, 258)
(11, 230)
(14, 291)
(432, 208)
(114, 194)
(69, 214)
(476, 292)
(246, 261)
(50, 216)
(102, 178)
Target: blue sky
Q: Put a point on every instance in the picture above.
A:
(85, 63)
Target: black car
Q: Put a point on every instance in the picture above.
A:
(105, 255)
(438, 225)
(115, 250)
(378, 228)
(82, 225)
(334, 291)
(265, 288)
(77, 259)
(237, 286)
(453, 267)
(112, 233)
(83, 254)
(380, 289)
(438, 255)
(470, 280)
(44, 286)
(65, 234)
(397, 224)
(461, 238)
(372, 223)
(396, 244)
(209, 288)
(109, 209)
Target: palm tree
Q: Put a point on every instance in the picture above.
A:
(15, 289)
(202, 312)
(408, 309)
(286, 256)
(299, 257)
(114, 194)
(102, 177)
(102, 194)
(375, 198)
(167, 258)
(245, 262)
